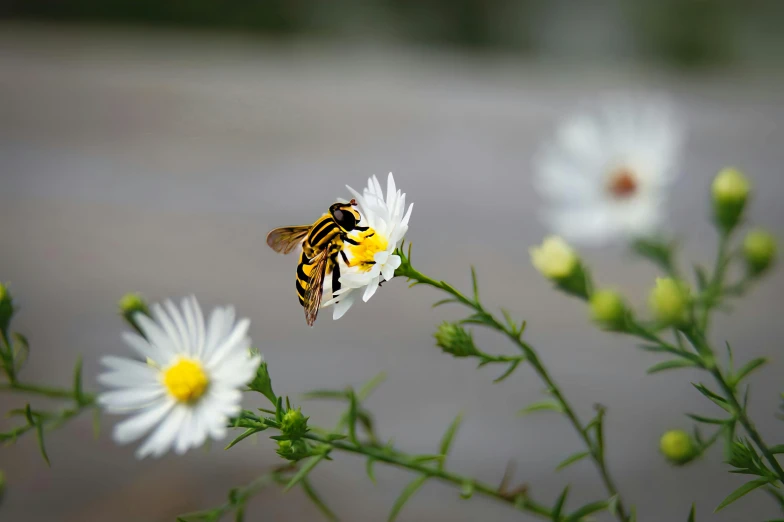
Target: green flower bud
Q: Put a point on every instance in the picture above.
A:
(557, 261)
(677, 447)
(454, 339)
(608, 309)
(130, 305)
(293, 450)
(262, 383)
(294, 424)
(669, 301)
(759, 249)
(730, 193)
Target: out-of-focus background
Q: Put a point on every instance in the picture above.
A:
(149, 146)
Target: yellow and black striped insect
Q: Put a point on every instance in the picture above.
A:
(321, 242)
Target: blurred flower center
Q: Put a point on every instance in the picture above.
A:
(363, 254)
(622, 184)
(185, 380)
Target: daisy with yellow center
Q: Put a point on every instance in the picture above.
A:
(373, 260)
(190, 384)
(606, 172)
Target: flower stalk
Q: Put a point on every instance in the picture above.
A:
(595, 445)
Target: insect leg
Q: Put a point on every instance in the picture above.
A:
(345, 258)
(335, 276)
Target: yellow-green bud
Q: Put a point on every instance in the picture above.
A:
(669, 300)
(759, 249)
(454, 339)
(677, 446)
(554, 258)
(130, 305)
(608, 309)
(730, 192)
(294, 424)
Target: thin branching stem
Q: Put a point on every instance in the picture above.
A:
(597, 453)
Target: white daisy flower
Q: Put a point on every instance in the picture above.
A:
(373, 260)
(190, 384)
(605, 173)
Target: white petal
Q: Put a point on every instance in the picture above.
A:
(216, 326)
(237, 336)
(133, 398)
(190, 326)
(136, 426)
(168, 326)
(236, 370)
(342, 306)
(405, 219)
(162, 438)
(394, 261)
(157, 337)
(370, 290)
(182, 439)
(140, 376)
(381, 257)
(144, 348)
(182, 330)
(388, 271)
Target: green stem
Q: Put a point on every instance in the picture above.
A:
(597, 453)
(740, 413)
(403, 461)
(46, 391)
(713, 292)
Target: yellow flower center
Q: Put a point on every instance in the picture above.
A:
(186, 380)
(363, 254)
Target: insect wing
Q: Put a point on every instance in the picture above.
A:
(315, 287)
(286, 239)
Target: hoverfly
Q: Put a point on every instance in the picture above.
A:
(321, 243)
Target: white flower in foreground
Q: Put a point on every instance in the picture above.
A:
(373, 260)
(605, 174)
(190, 384)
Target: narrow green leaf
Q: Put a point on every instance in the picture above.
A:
(560, 503)
(428, 458)
(444, 301)
(474, 284)
(239, 515)
(718, 400)
(746, 488)
(405, 495)
(748, 368)
(701, 276)
(692, 514)
(247, 433)
(352, 417)
(370, 386)
(39, 434)
(588, 509)
(541, 406)
(311, 463)
(313, 496)
(730, 358)
(446, 440)
(77, 381)
(512, 366)
(326, 394)
(708, 420)
(778, 448)
(671, 364)
(571, 459)
(612, 505)
(369, 470)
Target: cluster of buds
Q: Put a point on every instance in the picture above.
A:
(293, 427)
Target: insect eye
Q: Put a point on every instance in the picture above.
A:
(338, 215)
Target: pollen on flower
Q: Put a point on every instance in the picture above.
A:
(363, 254)
(622, 183)
(185, 380)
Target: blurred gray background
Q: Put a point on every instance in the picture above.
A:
(152, 151)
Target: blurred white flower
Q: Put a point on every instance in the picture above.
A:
(605, 174)
(372, 261)
(190, 384)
